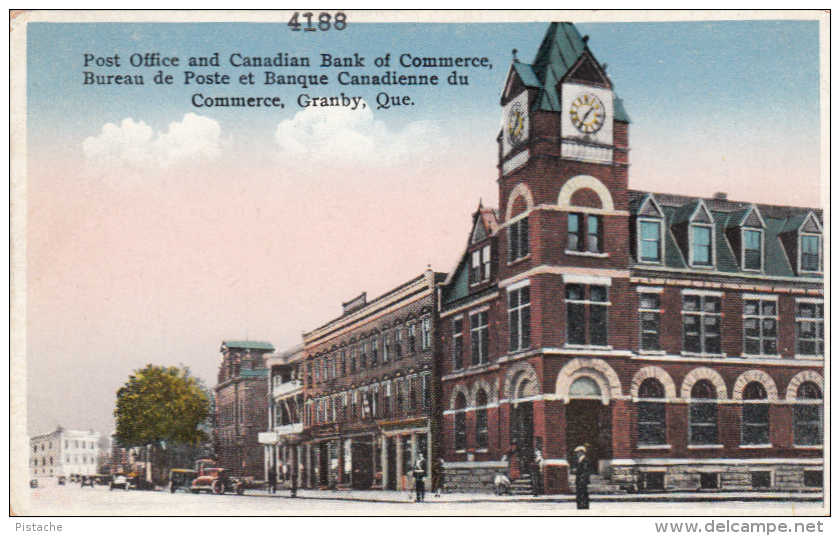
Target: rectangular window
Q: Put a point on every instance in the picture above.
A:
(654, 481)
(598, 316)
(485, 263)
(518, 242)
(519, 318)
(709, 481)
(386, 340)
(810, 334)
(344, 362)
(426, 333)
(703, 420)
(580, 330)
(398, 341)
(374, 352)
(810, 254)
(575, 315)
(479, 338)
(584, 233)
(427, 390)
(475, 267)
(363, 355)
(458, 344)
(701, 324)
(701, 245)
(460, 431)
(650, 236)
(813, 479)
(412, 337)
(651, 423)
(649, 321)
(755, 423)
(760, 479)
(752, 248)
(760, 327)
(481, 428)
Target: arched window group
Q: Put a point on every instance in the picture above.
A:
(703, 414)
(651, 417)
(755, 415)
(808, 415)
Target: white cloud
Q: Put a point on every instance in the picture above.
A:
(345, 135)
(136, 144)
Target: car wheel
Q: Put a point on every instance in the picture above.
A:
(218, 487)
(240, 490)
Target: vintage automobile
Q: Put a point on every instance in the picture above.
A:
(87, 481)
(33, 483)
(62, 481)
(216, 480)
(181, 479)
(120, 481)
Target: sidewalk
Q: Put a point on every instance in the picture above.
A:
(459, 498)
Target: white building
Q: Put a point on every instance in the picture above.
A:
(64, 453)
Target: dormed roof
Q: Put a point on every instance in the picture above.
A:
(562, 51)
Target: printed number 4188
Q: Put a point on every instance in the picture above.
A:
(325, 22)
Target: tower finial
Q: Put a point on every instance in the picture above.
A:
(515, 59)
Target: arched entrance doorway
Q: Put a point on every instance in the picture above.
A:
(522, 421)
(588, 420)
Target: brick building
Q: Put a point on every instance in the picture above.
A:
(241, 407)
(679, 339)
(285, 413)
(369, 379)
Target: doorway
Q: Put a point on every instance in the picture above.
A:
(522, 433)
(324, 464)
(392, 463)
(362, 464)
(587, 424)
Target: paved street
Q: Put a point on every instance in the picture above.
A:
(71, 499)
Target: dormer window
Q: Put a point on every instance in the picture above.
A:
(480, 265)
(701, 245)
(752, 241)
(810, 246)
(649, 231)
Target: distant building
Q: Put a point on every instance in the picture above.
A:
(241, 407)
(285, 413)
(64, 453)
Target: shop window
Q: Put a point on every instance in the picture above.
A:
(649, 321)
(703, 414)
(519, 318)
(651, 417)
(518, 241)
(808, 415)
(701, 324)
(755, 415)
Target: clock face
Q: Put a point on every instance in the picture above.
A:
(516, 124)
(587, 113)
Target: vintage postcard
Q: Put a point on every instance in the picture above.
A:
(353, 263)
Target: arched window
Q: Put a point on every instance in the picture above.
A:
(703, 414)
(460, 422)
(481, 420)
(808, 415)
(651, 420)
(755, 415)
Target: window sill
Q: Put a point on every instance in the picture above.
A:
(700, 447)
(808, 447)
(693, 354)
(519, 260)
(650, 263)
(586, 254)
(702, 266)
(481, 451)
(652, 447)
(761, 356)
(800, 356)
(652, 352)
(755, 446)
(587, 347)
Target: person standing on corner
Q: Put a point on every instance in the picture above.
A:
(272, 480)
(584, 471)
(419, 475)
(537, 472)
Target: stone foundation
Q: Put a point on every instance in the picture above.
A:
(472, 477)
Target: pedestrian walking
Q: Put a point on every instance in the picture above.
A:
(294, 483)
(536, 472)
(272, 480)
(438, 477)
(584, 471)
(419, 475)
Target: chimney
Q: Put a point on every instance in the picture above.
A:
(720, 196)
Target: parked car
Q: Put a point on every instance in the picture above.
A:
(33, 483)
(120, 482)
(216, 480)
(86, 481)
(62, 480)
(181, 479)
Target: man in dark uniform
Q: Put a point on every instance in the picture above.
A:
(584, 470)
(419, 475)
(272, 480)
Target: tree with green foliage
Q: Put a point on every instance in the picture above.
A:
(160, 406)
